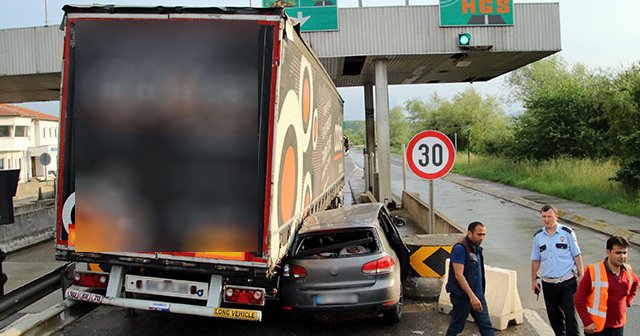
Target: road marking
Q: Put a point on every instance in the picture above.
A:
(538, 323)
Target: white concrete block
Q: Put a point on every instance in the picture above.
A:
(501, 294)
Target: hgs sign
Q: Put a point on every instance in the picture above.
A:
(476, 12)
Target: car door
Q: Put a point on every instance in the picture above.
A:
(393, 236)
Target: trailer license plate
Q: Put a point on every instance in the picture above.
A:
(166, 286)
(238, 314)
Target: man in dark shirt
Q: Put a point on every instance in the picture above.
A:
(466, 282)
(606, 290)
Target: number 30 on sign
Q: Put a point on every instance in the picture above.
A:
(430, 155)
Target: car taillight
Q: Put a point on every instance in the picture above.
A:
(92, 280)
(244, 295)
(379, 266)
(298, 271)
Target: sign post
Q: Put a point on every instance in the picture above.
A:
(45, 160)
(430, 155)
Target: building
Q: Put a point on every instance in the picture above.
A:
(25, 137)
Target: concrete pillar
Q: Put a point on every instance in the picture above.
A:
(370, 134)
(382, 123)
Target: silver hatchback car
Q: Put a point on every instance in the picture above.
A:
(347, 259)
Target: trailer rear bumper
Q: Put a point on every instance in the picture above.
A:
(170, 307)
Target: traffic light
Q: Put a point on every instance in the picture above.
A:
(464, 40)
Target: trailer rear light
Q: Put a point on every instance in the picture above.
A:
(298, 271)
(244, 295)
(379, 266)
(90, 279)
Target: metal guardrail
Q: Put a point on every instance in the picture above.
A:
(23, 296)
(3, 277)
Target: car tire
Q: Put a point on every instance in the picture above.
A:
(394, 315)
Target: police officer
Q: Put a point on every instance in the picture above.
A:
(555, 253)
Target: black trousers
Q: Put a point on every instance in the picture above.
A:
(558, 298)
(609, 332)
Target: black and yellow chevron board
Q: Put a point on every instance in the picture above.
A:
(429, 261)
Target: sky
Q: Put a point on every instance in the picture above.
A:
(599, 34)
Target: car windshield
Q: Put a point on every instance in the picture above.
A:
(331, 244)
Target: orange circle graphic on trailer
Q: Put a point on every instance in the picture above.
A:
(306, 99)
(288, 184)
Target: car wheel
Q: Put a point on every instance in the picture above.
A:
(393, 315)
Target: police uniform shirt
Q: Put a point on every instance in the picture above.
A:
(555, 252)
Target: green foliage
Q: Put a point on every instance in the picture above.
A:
(582, 180)
(355, 131)
(400, 133)
(625, 126)
(629, 172)
(467, 115)
(566, 111)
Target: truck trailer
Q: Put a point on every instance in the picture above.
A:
(193, 143)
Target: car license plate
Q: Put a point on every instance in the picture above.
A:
(238, 314)
(327, 299)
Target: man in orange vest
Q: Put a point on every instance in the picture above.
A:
(606, 290)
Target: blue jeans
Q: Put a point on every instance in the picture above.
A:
(460, 312)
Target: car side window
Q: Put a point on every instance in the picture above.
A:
(387, 226)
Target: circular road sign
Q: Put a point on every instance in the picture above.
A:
(430, 155)
(45, 159)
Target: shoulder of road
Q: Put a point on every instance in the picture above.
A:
(592, 217)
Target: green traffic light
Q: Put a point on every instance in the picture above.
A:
(464, 39)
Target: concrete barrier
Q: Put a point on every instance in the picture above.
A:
(34, 223)
(418, 212)
(501, 294)
(428, 256)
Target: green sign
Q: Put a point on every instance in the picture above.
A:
(312, 15)
(476, 13)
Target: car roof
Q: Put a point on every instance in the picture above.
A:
(361, 215)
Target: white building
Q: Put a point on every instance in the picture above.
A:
(25, 135)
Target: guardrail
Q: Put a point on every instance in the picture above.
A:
(21, 297)
(3, 277)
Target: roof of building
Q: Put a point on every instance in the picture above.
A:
(8, 110)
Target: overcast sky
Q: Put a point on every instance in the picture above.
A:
(596, 33)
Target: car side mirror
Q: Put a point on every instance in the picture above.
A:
(397, 221)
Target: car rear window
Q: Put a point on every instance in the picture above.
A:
(337, 244)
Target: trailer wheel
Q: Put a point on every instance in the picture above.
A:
(336, 202)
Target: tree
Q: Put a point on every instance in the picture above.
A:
(566, 111)
(399, 128)
(355, 131)
(467, 111)
(625, 127)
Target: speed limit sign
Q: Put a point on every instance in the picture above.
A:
(430, 155)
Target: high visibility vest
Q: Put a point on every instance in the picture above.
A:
(597, 299)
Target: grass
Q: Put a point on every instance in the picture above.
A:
(581, 180)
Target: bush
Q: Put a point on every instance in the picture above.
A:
(629, 172)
